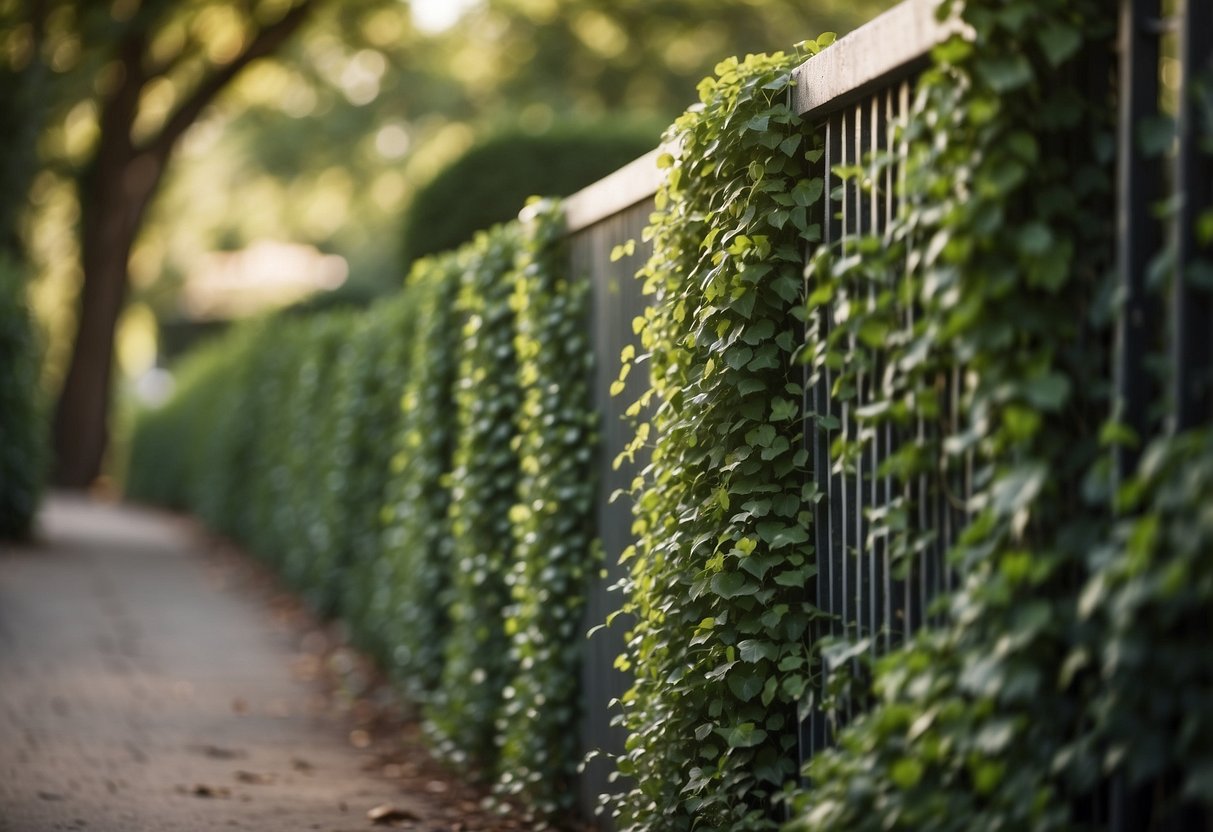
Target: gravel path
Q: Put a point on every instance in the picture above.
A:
(145, 686)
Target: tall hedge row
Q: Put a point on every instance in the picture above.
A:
(385, 462)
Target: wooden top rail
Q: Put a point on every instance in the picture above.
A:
(856, 64)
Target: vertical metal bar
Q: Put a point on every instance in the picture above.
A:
(1138, 239)
(876, 574)
(833, 554)
(907, 595)
(1193, 305)
(858, 228)
(846, 502)
(891, 588)
(814, 730)
(834, 498)
(1138, 234)
(955, 482)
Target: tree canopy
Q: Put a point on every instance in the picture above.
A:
(316, 134)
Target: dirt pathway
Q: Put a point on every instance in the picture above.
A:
(139, 692)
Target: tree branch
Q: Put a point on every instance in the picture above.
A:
(266, 42)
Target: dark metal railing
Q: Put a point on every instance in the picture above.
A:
(866, 596)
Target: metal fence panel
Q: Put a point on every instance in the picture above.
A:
(616, 301)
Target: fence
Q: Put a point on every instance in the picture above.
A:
(857, 89)
(605, 215)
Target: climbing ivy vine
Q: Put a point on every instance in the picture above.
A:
(1028, 697)
(552, 523)
(484, 479)
(719, 575)
(372, 379)
(416, 535)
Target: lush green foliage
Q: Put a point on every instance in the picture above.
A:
(484, 480)
(551, 522)
(420, 468)
(369, 420)
(22, 444)
(417, 538)
(486, 185)
(720, 647)
(1068, 656)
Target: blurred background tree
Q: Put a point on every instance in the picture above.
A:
(308, 124)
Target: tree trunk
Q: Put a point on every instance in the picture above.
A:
(114, 195)
(112, 208)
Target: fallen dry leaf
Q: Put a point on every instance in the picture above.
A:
(217, 753)
(386, 814)
(254, 778)
(203, 790)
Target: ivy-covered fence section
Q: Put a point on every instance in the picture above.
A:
(722, 567)
(1006, 223)
(419, 469)
(959, 364)
(1037, 699)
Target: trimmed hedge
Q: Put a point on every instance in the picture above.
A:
(385, 462)
(551, 523)
(486, 185)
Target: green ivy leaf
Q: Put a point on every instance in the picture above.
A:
(731, 585)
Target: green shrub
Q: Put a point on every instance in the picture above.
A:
(22, 440)
(491, 181)
(166, 468)
(309, 422)
(273, 373)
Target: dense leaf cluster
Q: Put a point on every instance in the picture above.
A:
(718, 584)
(22, 444)
(421, 469)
